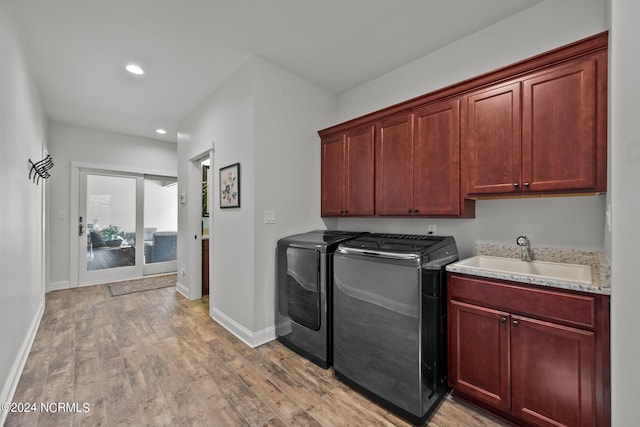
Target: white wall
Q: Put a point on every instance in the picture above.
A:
(266, 119)
(545, 26)
(289, 112)
(226, 118)
(625, 171)
(69, 143)
(22, 137)
(558, 222)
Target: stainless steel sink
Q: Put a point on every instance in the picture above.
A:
(538, 269)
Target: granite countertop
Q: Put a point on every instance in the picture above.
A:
(600, 268)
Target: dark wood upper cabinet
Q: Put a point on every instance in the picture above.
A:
(492, 144)
(436, 172)
(347, 173)
(542, 134)
(537, 127)
(359, 197)
(333, 176)
(394, 166)
(418, 163)
(559, 123)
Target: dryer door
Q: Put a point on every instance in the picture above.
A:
(303, 287)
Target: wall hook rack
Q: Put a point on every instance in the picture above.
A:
(40, 169)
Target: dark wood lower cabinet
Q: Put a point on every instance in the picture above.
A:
(552, 373)
(535, 356)
(479, 353)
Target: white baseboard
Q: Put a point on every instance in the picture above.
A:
(9, 388)
(182, 289)
(252, 339)
(56, 286)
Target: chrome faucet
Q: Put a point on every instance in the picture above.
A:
(523, 242)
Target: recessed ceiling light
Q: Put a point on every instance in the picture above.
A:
(161, 131)
(135, 69)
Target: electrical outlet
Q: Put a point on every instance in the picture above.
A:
(431, 229)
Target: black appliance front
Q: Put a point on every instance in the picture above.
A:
(304, 286)
(389, 314)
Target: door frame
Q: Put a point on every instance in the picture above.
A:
(74, 199)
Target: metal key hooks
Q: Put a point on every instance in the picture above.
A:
(40, 169)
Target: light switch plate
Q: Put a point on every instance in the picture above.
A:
(269, 217)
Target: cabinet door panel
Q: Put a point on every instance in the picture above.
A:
(493, 140)
(333, 176)
(553, 373)
(437, 159)
(559, 129)
(359, 196)
(394, 166)
(479, 353)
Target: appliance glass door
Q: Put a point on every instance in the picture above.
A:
(303, 287)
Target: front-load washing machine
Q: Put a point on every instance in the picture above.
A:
(304, 292)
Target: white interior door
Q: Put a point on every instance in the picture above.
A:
(110, 227)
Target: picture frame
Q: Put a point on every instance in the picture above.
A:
(230, 186)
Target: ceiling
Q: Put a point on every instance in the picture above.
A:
(188, 47)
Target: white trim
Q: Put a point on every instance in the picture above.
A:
(183, 290)
(56, 286)
(74, 200)
(126, 169)
(9, 388)
(252, 339)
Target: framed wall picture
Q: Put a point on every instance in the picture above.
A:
(230, 186)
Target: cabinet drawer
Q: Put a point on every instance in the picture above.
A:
(545, 304)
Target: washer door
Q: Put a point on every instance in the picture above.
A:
(303, 287)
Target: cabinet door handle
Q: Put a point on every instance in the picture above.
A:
(526, 185)
(409, 211)
(516, 323)
(516, 185)
(416, 211)
(503, 319)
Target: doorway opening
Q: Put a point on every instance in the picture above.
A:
(127, 226)
(206, 220)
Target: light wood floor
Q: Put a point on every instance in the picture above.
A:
(154, 358)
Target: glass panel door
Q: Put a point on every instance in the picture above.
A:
(109, 227)
(160, 224)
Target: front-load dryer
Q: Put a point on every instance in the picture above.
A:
(304, 292)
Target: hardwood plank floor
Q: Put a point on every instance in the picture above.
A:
(155, 358)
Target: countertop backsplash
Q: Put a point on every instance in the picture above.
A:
(600, 267)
